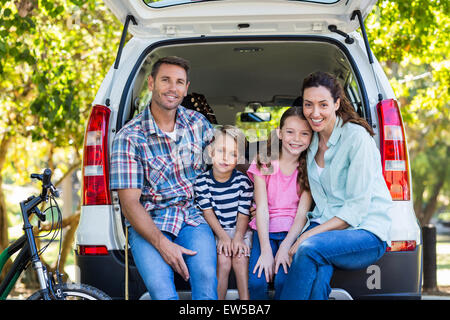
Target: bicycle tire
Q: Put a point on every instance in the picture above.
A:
(76, 291)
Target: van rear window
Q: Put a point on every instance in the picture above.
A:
(168, 3)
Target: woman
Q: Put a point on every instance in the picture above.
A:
(349, 226)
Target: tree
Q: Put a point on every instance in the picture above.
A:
(411, 40)
(53, 55)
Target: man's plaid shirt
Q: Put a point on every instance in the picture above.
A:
(144, 157)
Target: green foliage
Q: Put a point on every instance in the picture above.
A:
(411, 40)
(150, 1)
(416, 28)
(53, 56)
(444, 216)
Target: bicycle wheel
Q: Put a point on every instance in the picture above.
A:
(75, 291)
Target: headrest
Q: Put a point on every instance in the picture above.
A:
(197, 102)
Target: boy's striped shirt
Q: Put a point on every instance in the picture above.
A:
(227, 199)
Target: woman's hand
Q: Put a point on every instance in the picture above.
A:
(265, 263)
(334, 223)
(293, 249)
(297, 243)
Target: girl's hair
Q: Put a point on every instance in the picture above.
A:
(345, 111)
(263, 159)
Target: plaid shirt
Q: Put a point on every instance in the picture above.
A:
(144, 157)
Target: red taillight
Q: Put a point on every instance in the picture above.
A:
(393, 150)
(95, 158)
(92, 250)
(409, 245)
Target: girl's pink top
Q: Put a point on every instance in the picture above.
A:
(282, 197)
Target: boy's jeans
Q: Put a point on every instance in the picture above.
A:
(312, 265)
(158, 276)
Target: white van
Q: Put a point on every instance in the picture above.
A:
(245, 53)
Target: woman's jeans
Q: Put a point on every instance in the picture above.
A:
(158, 276)
(258, 287)
(312, 265)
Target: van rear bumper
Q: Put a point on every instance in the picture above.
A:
(397, 275)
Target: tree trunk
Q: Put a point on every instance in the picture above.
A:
(419, 190)
(4, 239)
(70, 222)
(430, 208)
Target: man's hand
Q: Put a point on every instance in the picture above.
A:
(172, 253)
(144, 225)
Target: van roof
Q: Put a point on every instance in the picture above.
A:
(190, 18)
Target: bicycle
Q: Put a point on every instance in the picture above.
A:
(51, 285)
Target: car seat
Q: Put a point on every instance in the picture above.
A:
(197, 102)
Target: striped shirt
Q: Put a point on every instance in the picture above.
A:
(144, 157)
(227, 199)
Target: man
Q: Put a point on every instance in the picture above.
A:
(155, 160)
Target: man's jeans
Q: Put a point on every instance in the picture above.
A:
(312, 265)
(158, 276)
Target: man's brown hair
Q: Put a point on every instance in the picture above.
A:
(171, 60)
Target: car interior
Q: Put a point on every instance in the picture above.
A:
(242, 77)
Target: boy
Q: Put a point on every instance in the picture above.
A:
(224, 195)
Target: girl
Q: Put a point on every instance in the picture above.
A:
(281, 194)
(348, 188)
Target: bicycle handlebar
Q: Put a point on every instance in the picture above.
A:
(32, 202)
(45, 177)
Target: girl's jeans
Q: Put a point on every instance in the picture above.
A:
(158, 276)
(312, 265)
(258, 287)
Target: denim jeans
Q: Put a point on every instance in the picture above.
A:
(313, 264)
(158, 276)
(258, 287)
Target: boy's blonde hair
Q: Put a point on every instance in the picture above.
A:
(236, 134)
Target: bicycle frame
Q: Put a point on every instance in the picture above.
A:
(28, 252)
(19, 264)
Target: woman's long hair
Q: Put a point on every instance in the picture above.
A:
(263, 159)
(345, 111)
